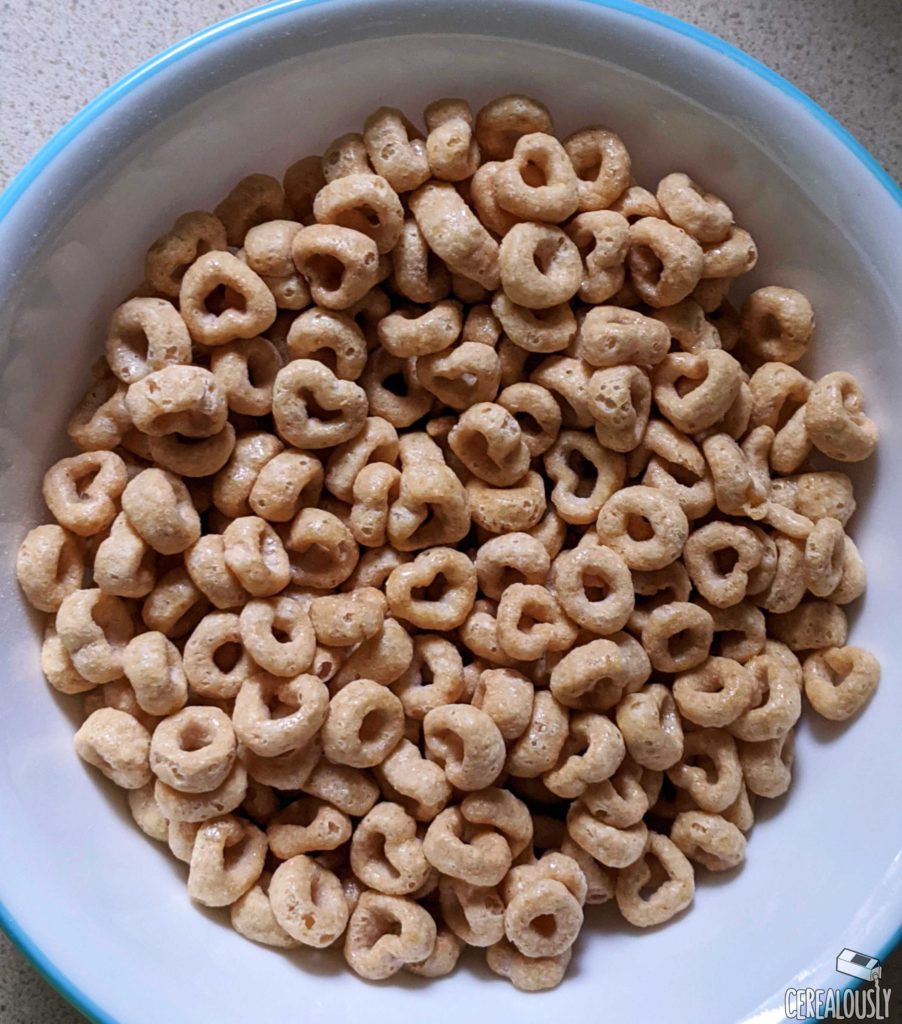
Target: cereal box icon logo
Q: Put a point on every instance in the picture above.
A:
(858, 965)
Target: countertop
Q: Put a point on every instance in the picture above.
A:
(843, 53)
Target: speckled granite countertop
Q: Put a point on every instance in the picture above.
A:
(843, 53)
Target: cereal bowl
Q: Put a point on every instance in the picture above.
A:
(101, 911)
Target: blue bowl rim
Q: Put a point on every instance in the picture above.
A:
(29, 174)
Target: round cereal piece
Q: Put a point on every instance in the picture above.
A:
(396, 149)
(451, 147)
(716, 693)
(192, 235)
(289, 771)
(193, 750)
(267, 248)
(330, 337)
(175, 605)
(289, 481)
(255, 199)
(767, 766)
(635, 202)
(677, 636)
(214, 659)
(322, 551)
(602, 238)
(363, 202)
(538, 748)
(145, 335)
(413, 332)
(536, 412)
(488, 440)
(506, 697)
(716, 545)
(669, 898)
(455, 577)
(83, 491)
(453, 233)
(277, 633)
(665, 262)
(612, 336)
(688, 326)
(511, 558)
(459, 376)
(585, 475)
(583, 571)
(100, 421)
(147, 814)
(254, 553)
(253, 918)
(612, 846)
(339, 264)
(301, 182)
(432, 678)
(535, 330)
(411, 780)
(190, 457)
(252, 312)
(621, 402)
(153, 666)
(825, 556)
(466, 743)
(95, 628)
(50, 565)
(305, 826)
(568, 381)
(417, 273)
(651, 727)
(206, 565)
(537, 157)
(180, 399)
(540, 266)
(385, 933)
(315, 409)
(645, 526)
(709, 770)
(777, 324)
(245, 371)
(485, 202)
(811, 625)
(502, 121)
(526, 919)
(364, 722)
(275, 716)
(594, 676)
(592, 753)
(527, 974)
(778, 705)
(308, 902)
(118, 745)
(737, 254)
(233, 484)
(716, 376)
(839, 681)
(386, 852)
(56, 664)
(703, 215)
(475, 913)
(226, 860)
(531, 622)
(602, 165)
(836, 421)
(160, 510)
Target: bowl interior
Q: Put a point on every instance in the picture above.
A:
(107, 905)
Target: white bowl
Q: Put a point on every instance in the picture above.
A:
(102, 910)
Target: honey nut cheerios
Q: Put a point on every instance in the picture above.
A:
(442, 553)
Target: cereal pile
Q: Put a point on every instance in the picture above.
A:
(441, 554)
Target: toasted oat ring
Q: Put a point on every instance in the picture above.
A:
(538, 156)
(365, 203)
(665, 262)
(643, 525)
(502, 121)
(203, 277)
(540, 266)
(701, 214)
(602, 165)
